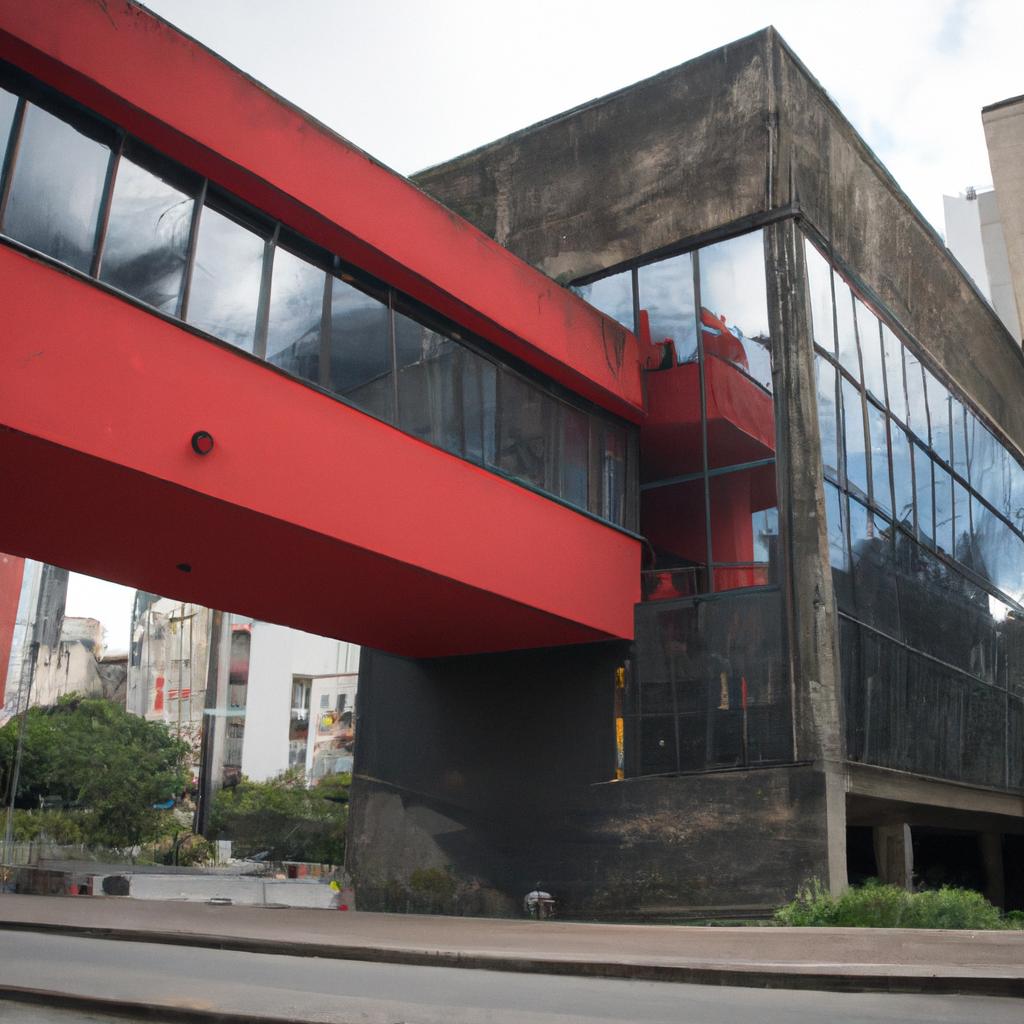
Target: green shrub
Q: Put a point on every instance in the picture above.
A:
(874, 905)
(1014, 919)
(283, 817)
(63, 828)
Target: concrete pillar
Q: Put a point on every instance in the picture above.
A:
(894, 854)
(813, 640)
(991, 846)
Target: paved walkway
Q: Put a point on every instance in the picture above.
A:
(894, 960)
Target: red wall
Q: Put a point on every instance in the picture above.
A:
(130, 66)
(12, 569)
(307, 512)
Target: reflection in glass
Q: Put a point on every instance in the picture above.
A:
(819, 283)
(892, 354)
(846, 333)
(526, 417)
(427, 365)
(672, 521)
(923, 500)
(962, 532)
(145, 250)
(1000, 551)
(479, 383)
(56, 189)
(360, 351)
(296, 314)
(985, 461)
(828, 421)
(873, 567)
(856, 449)
(613, 296)
(744, 528)
(665, 290)
(917, 407)
(8, 108)
(879, 458)
(870, 351)
(733, 290)
(837, 552)
(225, 290)
(958, 438)
(903, 477)
(944, 537)
(938, 415)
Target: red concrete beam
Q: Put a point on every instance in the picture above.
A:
(322, 517)
(162, 86)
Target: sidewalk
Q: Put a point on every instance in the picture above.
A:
(837, 959)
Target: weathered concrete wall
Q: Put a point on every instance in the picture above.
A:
(874, 231)
(496, 770)
(671, 157)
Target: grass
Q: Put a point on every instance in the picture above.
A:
(874, 905)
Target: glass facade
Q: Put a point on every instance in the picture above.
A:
(927, 555)
(709, 688)
(78, 190)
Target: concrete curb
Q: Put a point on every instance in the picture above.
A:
(745, 977)
(163, 1014)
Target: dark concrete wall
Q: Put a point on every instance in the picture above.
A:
(496, 770)
(671, 157)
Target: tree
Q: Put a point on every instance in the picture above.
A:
(284, 818)
(100, 761)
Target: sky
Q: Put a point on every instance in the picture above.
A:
(415, 82)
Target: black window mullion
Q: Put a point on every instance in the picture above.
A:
(193, 237)
(104, 215)
(326, 327)
(259, 345)
(13, 144)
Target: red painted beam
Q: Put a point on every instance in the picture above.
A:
(330, 520)
(130, 66)
(12, 571)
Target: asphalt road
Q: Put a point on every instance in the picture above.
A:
(348, 991)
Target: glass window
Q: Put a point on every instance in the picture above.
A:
(733, 290)
(837, 550)
(944, 539)
(938, 415)
(923, 487)
(903, 477)
(225, 291)
(56, 189)
(672, 521)
(665, 290)
(1000, 551)
(958, 438)
(479, 384)
(145, 251)
(8, 108)
(892, 354)
(295, 316)
(614, 296)
(526, 418)
(828, 421)
(879, 458)
(744, 528)
(427, 367)
(873, 562)
(360, 350)
(985, 461)
(856, 449)
(962, 524)
(917, 405)
(819, 284)
(611, 473)
(574, 457)
(846, 332)
(870, 351)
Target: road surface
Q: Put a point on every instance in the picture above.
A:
(348, 991)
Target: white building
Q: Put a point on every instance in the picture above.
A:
(974, 234)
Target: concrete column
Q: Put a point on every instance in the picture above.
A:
(894, 854)
(813, 641)
(991, 846)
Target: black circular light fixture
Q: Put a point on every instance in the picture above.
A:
(183, 567)
(202, 442)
